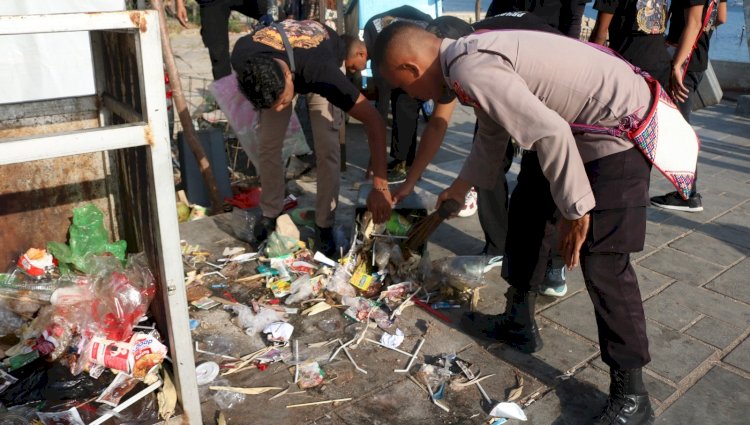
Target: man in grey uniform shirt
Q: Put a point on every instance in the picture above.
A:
(526, 85)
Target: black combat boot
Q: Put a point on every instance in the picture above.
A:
(628, 402)
(516, 327)
(263, 228)
(324, 241)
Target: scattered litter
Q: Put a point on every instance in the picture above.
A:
(317, 308)
(68, 417)
(321, 258)
(413, 357)
(351, 359)
(392, 341)
(508, 410)
(516, 392)
(244, 390)
(279, 332)
(317, 403)
(280, 393)
(310, 375)
(206, 372)
(231, 252)
(121, 385)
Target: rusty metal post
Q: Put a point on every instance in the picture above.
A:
(191, 137)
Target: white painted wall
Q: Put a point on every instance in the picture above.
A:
(48, 66)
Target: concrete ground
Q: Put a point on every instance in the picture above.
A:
(694, 280)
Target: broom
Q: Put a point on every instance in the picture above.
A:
(426, 226)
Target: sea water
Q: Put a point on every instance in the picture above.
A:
(728, 42)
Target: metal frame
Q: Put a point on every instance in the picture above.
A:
(151, 132)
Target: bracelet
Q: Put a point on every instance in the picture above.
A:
(382, 189)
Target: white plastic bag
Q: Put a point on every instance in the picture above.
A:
(243, 117)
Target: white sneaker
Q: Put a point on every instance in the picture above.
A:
(470, 204)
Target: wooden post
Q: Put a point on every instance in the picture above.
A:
(477, 10)
(191, 137)
(322, 7)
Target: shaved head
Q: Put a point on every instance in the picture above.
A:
(407, 56)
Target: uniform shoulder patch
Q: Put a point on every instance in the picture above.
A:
(463, 97)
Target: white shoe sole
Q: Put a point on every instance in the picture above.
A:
(677, 208)
(550, 292)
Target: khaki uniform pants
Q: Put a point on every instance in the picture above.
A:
(325, 120)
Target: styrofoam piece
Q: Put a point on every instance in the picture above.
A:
(508, 410)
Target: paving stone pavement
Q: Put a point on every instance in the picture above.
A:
(695, 282)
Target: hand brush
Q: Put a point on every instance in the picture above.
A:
(426, 226)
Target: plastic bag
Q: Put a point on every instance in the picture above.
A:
(303, 288)
(87, 235)
(464, 272)
(254, 323)
(10, 322)
(243, 117)
(339, 284)
(278, 245)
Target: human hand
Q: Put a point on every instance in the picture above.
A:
(677, 89)
(456, 192)
(572, 235)
(182, 16)
(380, 203)
(404, 190)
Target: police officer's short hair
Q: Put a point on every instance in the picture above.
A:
(261, 80)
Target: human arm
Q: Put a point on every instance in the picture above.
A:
(693, 26)
(379, 202)
(429, 145)
(605, 11)
(601, 28)
(721, 16)
(181, 13)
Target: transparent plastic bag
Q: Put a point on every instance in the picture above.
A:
(10, 322)
(278, 245)
(464, 272)
(87, 234)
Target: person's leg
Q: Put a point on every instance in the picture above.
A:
(492, 205)
(616, 228)
(531, 208)
(326, 120)
(404, 134)
(248, 8)
(272, 127)
(215, 35)
(613, 287)
(621, 323)
(531, 205)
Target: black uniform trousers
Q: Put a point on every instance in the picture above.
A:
(215, 30)
(405, 111)
(492, 209)
(617, 228)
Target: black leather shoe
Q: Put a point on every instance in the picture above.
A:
(516, 327)
(629, 409)
(628, 402)
(263, 228)
(324, 241)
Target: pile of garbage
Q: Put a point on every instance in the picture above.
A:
(75, 330)
(270, 293)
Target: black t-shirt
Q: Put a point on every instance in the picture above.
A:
(318, 55)
(556, 13)
(636, 33)
(515, 21)
(678, 10)
(375, 25)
